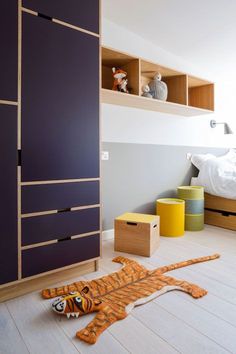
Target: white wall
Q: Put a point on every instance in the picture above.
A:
(122, 124)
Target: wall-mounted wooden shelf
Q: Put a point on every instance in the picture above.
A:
(135, 101)
(187, 95)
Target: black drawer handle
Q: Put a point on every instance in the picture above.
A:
(44, 16)
(64, 239)
(131, 223)
(64, 210)
(154, 226)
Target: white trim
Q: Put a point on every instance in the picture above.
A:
(108, 235)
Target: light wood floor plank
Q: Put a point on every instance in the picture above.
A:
(209, 325)
(40, 332)
(10, 338)
(175, 331)
(173, 323)
(215, 269)
(138, 339)
(214, 286)
(106, 344)
(225, 239)
(209, 243)
(193, 249)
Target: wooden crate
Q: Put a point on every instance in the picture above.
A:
(137, 233)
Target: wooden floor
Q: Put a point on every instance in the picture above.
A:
(173, 323)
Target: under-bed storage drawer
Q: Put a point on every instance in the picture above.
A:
(220, 219)
(45, 258)
(59, 225)
(214, 202)
(37, 198)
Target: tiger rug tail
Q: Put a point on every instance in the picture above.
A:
(113, 296)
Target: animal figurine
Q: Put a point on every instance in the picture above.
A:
(115, 295)
(120, 80)
(123, 86)
(146, 91)
(158, 88)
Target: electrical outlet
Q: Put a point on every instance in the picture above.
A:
(105, 155)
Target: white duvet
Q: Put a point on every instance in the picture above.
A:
(216, 174)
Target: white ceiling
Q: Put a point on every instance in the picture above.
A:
(200, 31)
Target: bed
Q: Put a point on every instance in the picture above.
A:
(218, 177)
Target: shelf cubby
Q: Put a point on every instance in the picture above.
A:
(200, 93)
(112, 58)
(187, 95)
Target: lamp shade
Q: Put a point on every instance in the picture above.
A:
(227, 129)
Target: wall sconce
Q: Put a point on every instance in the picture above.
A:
(227, 129)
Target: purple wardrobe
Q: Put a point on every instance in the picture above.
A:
(56, 145)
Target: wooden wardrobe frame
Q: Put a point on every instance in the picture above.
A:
(39, 281)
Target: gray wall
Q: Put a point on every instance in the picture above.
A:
(137, 174)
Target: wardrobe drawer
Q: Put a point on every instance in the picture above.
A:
(58, 226)
(80, 13)
(42, 259)
(220, 219)
(36, 198)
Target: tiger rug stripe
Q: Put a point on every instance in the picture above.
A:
(115, 295)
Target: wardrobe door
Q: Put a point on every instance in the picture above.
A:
(8, 193)
(81, 13)
(60, 102)
(8, 56)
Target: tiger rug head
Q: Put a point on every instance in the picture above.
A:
(76, 303)
(113, 296)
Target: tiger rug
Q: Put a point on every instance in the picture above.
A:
(113, 296)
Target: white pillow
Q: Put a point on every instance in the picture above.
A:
(230, 156)
(199, 159)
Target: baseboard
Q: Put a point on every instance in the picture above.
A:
(108, 235)
(44, 281)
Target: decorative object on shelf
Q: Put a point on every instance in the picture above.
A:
(120, 80)
(158, 88)
(146, 91)
(115, 295)
(227, 129)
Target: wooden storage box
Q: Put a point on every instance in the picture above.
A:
(137, 233)
(220, 211)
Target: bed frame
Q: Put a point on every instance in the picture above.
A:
(220, 211)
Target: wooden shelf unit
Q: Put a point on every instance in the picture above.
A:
(187, 95)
